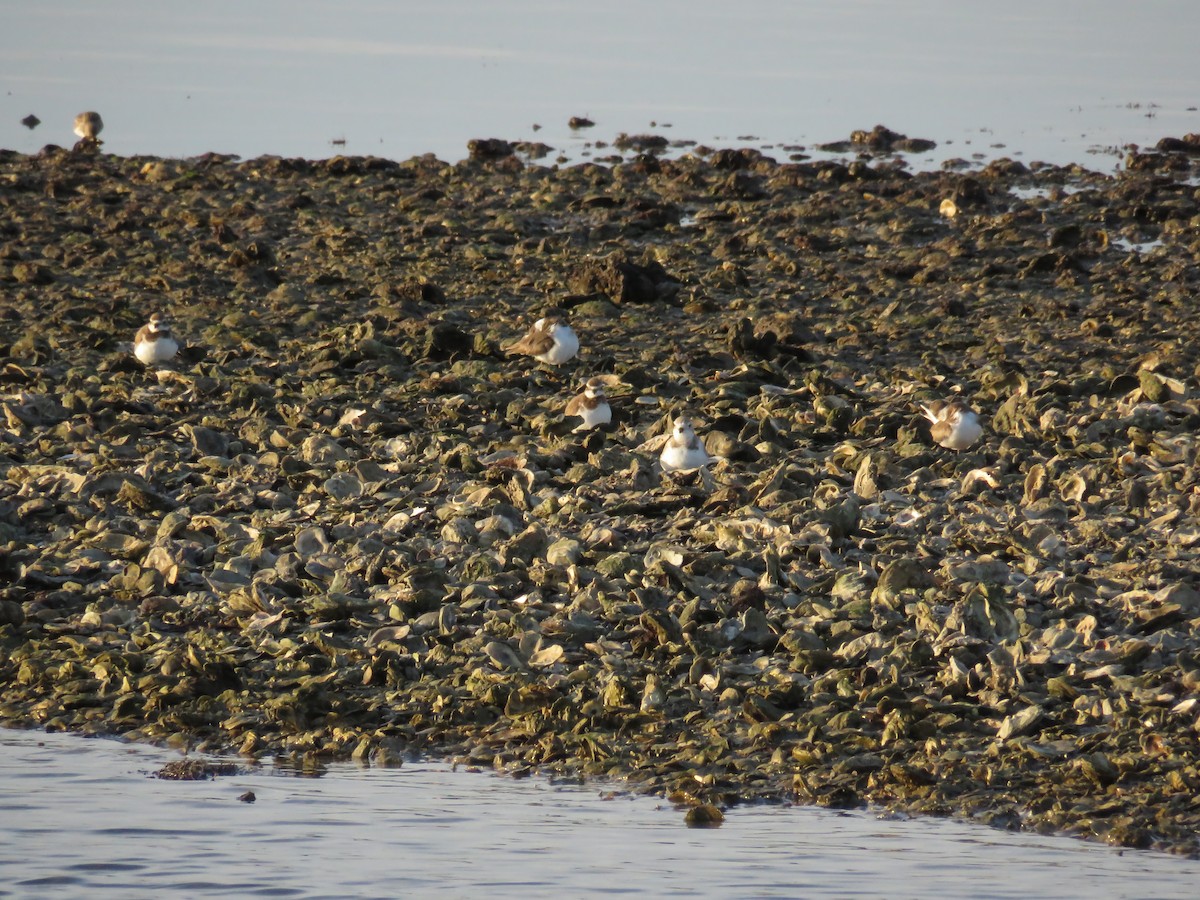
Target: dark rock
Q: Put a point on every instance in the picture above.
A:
(444, 341)
(489, 148)
(643, 143)
(623, 281)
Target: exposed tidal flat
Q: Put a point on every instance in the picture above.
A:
(344, 523)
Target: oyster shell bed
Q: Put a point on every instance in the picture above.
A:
(345, 524)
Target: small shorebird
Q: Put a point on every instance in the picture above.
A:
(88, 126)
(953, 424)
(550, 340)
(154, 342)
(683, 450)
(591, 405)
(653, 695)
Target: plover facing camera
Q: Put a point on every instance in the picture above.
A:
(154, 342)
(88, 126)
(591, 406)
(683, 451)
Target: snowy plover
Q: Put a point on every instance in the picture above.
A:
(154, 342)
(591, 406)
(954, 424)
(653, 695)
(550, 340)
(683, 450)
(88, 126)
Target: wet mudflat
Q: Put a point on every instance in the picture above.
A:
(344, 523)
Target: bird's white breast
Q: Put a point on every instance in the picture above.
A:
(682, 458)
(964, 432)
(150, 352)
(566, 345)
(601, 415)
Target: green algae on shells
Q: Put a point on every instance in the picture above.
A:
(343, 524)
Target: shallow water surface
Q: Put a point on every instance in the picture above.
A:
(1070, 81)
(85, 818)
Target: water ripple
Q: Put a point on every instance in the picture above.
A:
(425, 829)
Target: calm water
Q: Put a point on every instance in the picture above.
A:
(1068, 81)
(83, 818)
